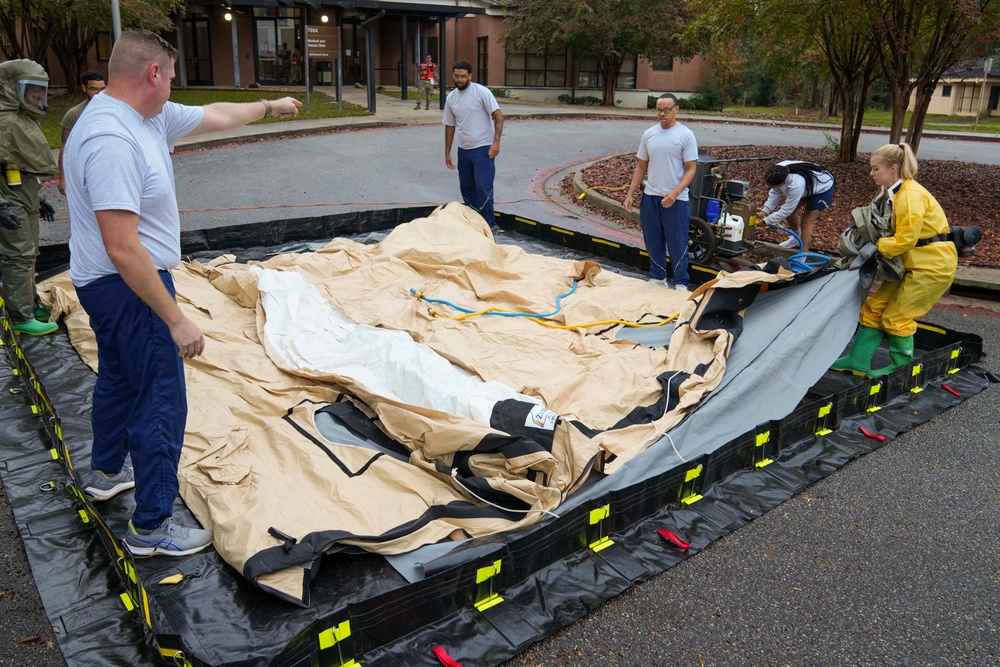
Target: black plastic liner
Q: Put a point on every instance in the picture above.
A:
(485, 601)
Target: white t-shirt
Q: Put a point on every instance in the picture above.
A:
(667, 151)
(471, 112)
(793, 189)
(115, 160)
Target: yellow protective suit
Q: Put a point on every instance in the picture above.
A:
(930, 269)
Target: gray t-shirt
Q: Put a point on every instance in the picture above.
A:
(667, 151)
(471, 112)
(116, 160)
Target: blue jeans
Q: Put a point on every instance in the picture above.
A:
(666, 230)
(140, 402)
(476, 170)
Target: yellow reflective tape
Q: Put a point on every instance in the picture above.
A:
(823, 431)
(84, 516)
(34, 410)
(763, 438)
(600, 514)
(601, 544)
(525, 221)
(916, 369)
(931, 328)
(693, 473)
(954, 353)
(342, 631)
(563, 231)
(130, 571)
(127, 601)
(765, 462)
(875, 388)
(485, 573)
(693, 498)
(953, 371)
(326, 639)
(610, 243)
(874, 408)
(643, 252)
(54, 453)
(917, 390)
(825, 410)
(491, 601)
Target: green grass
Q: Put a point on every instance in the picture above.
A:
(873, 118)
(320, 105)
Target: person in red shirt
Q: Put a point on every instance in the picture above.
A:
(428, 77)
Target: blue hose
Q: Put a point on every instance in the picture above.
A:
(463, 309)
(802, 262)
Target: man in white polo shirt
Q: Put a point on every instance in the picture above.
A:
(472, 111)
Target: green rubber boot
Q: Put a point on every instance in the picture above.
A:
(35, 328)
(42, 315)
(900, 352)
(859, 360)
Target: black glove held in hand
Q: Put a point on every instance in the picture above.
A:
(8, 219)
(46, 211)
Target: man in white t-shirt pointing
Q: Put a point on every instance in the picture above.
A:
(124, 240)
(472, 111)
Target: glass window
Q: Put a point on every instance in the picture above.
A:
(946, 91)
(538, 69)
(482, 60)
(589, 74)
(104, 46)
(664, 64)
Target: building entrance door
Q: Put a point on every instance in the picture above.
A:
(355, 52)
(276, 40)
(197, 52)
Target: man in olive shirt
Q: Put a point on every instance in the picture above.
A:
(91, 83)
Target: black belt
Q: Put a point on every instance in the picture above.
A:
(934, 239)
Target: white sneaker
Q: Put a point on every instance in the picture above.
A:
(657, 281)
(682, 288)
(789, 243)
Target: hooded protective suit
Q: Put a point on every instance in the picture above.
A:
(25, 157)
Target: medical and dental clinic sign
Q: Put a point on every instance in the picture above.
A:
(321, 42)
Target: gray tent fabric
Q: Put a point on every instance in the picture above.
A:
(286, 339)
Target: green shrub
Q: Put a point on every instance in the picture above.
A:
(586, 100)
(500, 93)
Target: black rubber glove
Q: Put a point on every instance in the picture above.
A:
(45, 210)
(8, 219)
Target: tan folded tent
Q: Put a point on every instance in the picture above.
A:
(495, 418)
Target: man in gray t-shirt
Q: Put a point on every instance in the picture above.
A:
(666, 160)
(124, 239)
(472, 112)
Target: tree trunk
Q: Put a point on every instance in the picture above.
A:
(900, 100)
(611, 65)
(925, 90)
(844, 152)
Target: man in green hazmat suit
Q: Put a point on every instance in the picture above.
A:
(25, 158)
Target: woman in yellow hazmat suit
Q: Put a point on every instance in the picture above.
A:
(929, 258)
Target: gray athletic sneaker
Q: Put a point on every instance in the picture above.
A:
(168, 539)
(104, 487)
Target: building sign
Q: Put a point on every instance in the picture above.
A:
(321, 41)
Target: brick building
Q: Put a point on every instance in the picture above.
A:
(240, 42)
